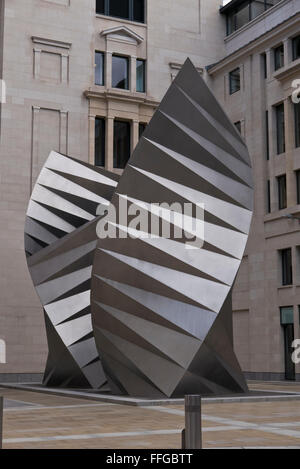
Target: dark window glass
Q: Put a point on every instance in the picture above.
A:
(119, 8)
(99, 141)
(280, 128)
(279, 57)
(100, 7)
(257, 8)
(234, 81)
(296, 48)
(264, 65)
(267, 136)
(286, 263)
(139, 11)
(268, 197)
(141, 76)
(122, 137)
(282, 200)
(242, 16)
(99, 68)
(133, 10)
(142, 128)
(238, 125)
(298, 186)
(120, 77)
(297, 124)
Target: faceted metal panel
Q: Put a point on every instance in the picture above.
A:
(162, 313)
(60, 240)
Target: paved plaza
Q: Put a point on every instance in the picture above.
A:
(38, 420)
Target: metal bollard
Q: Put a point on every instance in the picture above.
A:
(192, 435)
(1, 421)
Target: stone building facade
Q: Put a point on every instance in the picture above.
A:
(73, 85)
(84, 77)
(255, 81)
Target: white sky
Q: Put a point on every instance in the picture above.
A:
(226, 1)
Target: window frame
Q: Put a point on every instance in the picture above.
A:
(282, 192)
(297, 124)
(231, 88)
(143, 61)
(115, 156)
(103, 68)
(294, 56)
(280, 131)
(103, 143)
(131, 11)
(286, 267)
(298, 185)
(280, 64)
(128, 71)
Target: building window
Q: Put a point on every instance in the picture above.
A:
(297, 124)
(296, 47)
(238, 126)
(246, 11)
(120, 72)
(282, 200)
(280, 128)
(268, 197)
(122, 138)
(286, 266)
(133, 10)
(298, 186)
(287, 322)
(278, 57)
(142, 128)
(140, 76)
(99, 141)
(99, 68)
(267, 136)
(234, 81)
(264, 65)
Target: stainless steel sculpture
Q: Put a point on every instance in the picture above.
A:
(60, 239)
(162, 313)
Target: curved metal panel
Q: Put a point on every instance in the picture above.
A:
(60, 240)
(162, 313)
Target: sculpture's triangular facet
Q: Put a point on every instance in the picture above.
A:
(161, 308)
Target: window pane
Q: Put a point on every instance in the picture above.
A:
(268, 197)
(99, 68)
(264, 65)
(120, 72)
(234, 81)
(298, 186)
(282, 200)
(297, 124)
(280, 129)
(142, 128)
(238, 125)
(287, 271)
(140, 76)
(296, 48)
(138, 11)
(257, 8)
(231, 23)
(119, 8)
(267, 136)
(100, 7)
(279, 57)
(121, 143)
(287, 315)
(99, 141)
(242, 16)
